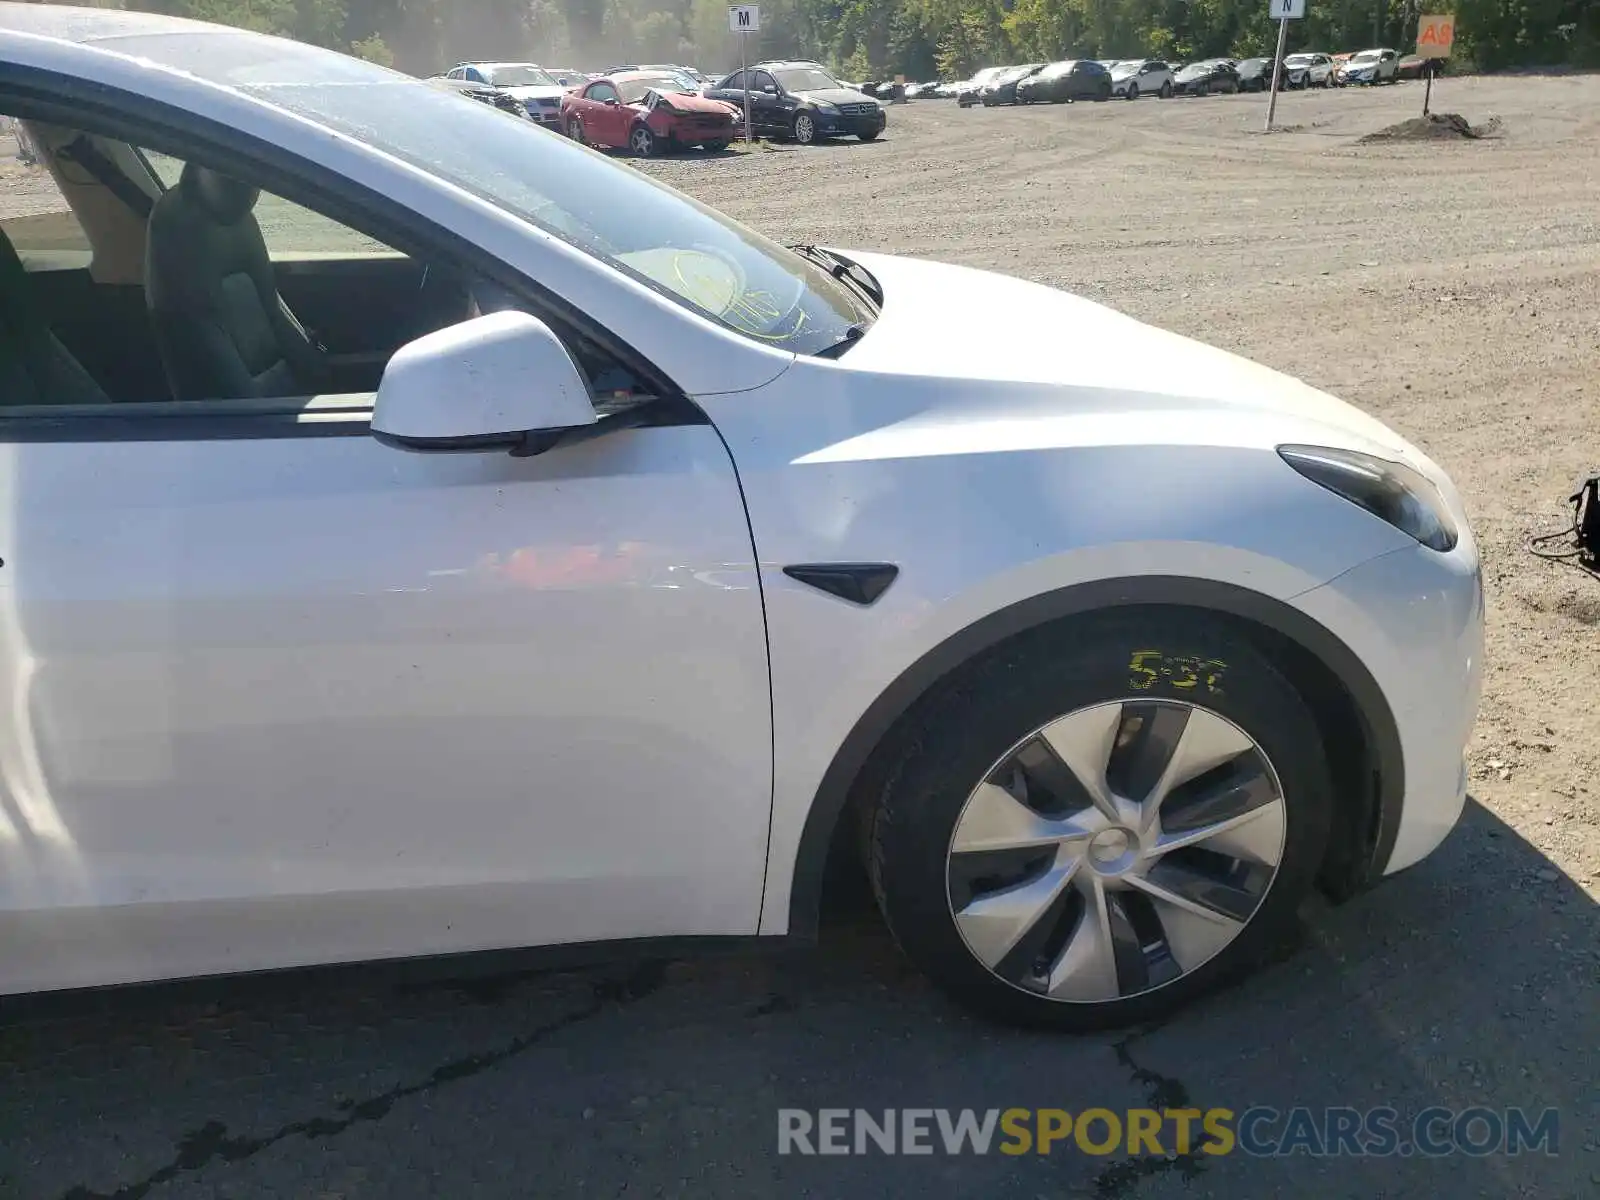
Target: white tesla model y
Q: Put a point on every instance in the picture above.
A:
(423, 535)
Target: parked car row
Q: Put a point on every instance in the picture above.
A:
(1130, 79)
(656, 108)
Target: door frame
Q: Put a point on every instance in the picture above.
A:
(107, 111)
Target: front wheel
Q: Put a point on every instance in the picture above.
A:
(1133, 91)
(575, 131)
(1166, 91)
(805, 129)
(1098, 823)
(716, 146)
(642, 142)
(868, 135)
(1104, 93)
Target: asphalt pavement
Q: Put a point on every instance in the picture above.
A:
(1468, 981)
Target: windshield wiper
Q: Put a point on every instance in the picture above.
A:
(845, 272)
(847, 338)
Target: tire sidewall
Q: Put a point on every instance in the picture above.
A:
(649, 147)
(804, 120)
(967, 729)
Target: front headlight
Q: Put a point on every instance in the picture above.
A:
(1389, 490)
(824, 106)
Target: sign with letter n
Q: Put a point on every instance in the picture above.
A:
(1286, 10)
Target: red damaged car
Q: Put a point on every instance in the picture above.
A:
(647, 112)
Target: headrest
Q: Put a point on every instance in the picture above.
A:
(223, 197)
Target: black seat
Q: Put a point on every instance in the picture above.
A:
(223, 330)
(35, 368)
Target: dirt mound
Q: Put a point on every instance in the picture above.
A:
(1434, 127)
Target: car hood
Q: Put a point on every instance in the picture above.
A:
(1197, 72)
(836, 96)
(1034, 345)
(537, 91)
(690, 102)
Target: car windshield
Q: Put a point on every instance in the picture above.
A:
(1298, 60)
(805, 79)
(988, 73)
(634, 90)
(1060, 68)
(690, 253)
(518, 75)
(1126, 68)
(1367, 56)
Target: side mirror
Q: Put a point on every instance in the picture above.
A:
(498, 382)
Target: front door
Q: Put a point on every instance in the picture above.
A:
(274, 693)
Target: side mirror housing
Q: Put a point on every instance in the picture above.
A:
(497, 382)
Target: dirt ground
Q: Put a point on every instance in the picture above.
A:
(1450, 288)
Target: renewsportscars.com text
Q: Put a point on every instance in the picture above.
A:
(1258, 1131)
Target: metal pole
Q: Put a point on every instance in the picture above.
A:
(744, 71)
(1427, 90)
(1277, 70)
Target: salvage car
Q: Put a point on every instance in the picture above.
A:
(1060, 82)
(967, 92)
(1255, 75)
(529, 84)
(1309, 70)
(1207, 76)
(1002, 89)
(482, 93)
(800, 101)
(551, 560)
(1137, 77)
(648, 112)
(1369, 67)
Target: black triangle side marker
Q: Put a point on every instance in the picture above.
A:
(859, 583)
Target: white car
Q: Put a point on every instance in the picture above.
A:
(1370, 66)
(967, 93)
(1141, 77)
(594, 568)
(1309, 70)
(537, 90)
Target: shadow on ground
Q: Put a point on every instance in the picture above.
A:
(1467, 981)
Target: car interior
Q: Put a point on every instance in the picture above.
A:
(172, 281)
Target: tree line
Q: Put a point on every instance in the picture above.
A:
(876, 39)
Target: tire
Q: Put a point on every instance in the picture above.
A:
(870, 135)
(973, 752)
(575, 132)
(1166, 90)
(1104, 93)
(642, 142)
(1132, 93)
(716, 146)
(804, 129)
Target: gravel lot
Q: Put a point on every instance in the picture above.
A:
(1450, 288)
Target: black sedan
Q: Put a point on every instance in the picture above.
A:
(1059, 82)
(1203, 78)
(1255, 75)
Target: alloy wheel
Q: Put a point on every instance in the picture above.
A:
(642, 142)
(805, 131)
(1115, 850)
